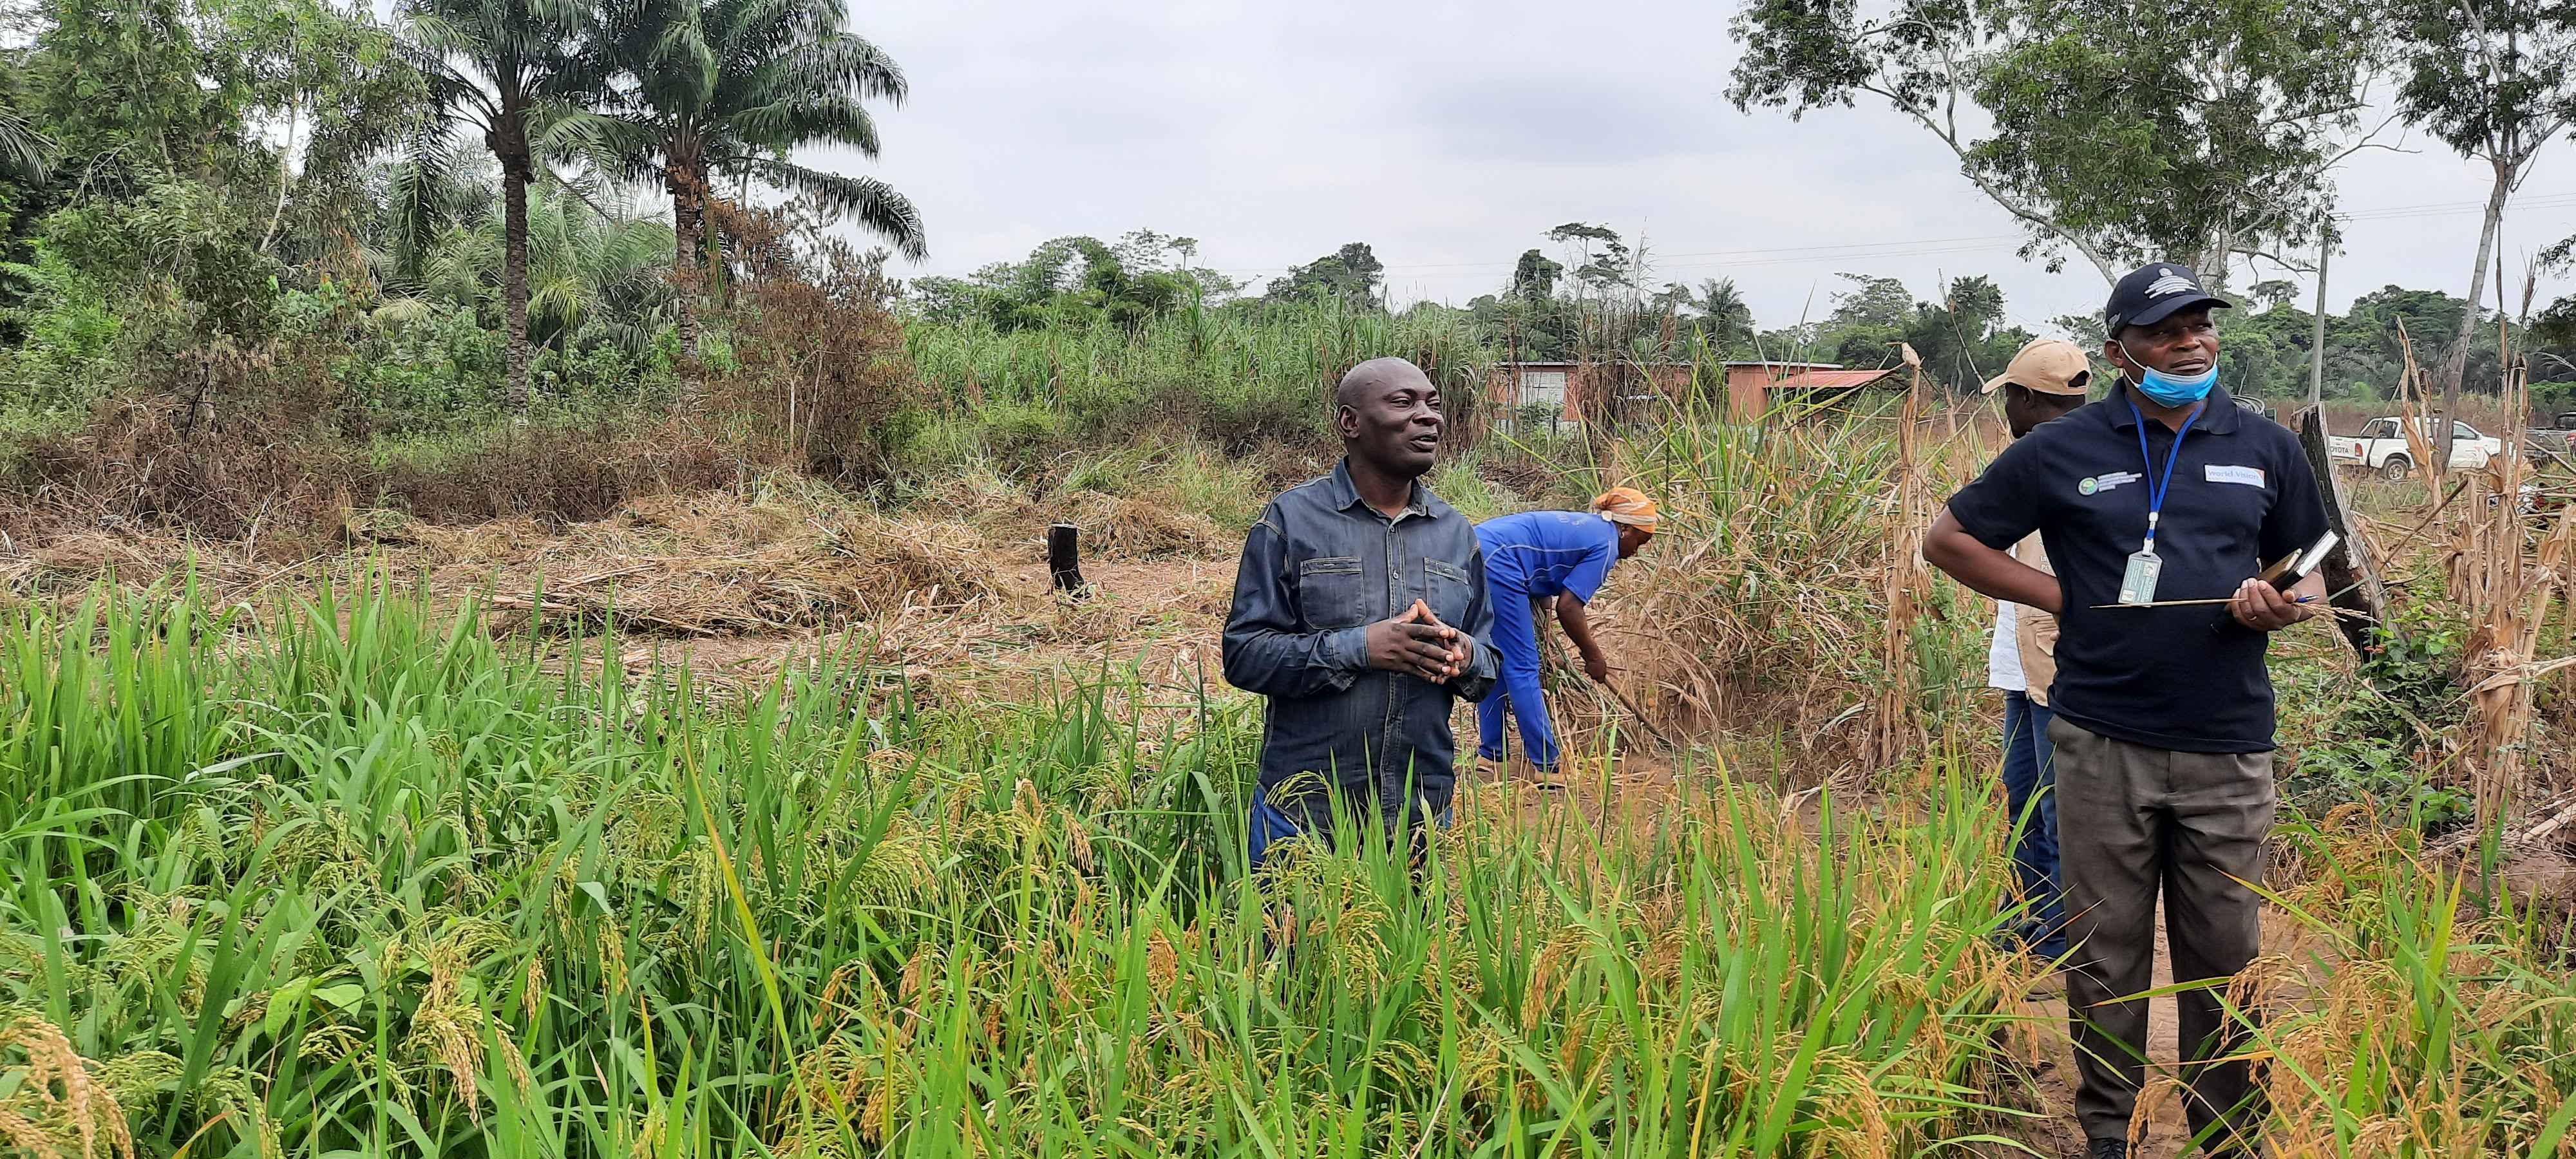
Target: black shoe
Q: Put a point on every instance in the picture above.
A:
(2107, 1149)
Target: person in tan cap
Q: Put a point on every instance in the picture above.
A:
(2046, 379)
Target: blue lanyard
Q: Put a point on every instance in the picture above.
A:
(2156, 487)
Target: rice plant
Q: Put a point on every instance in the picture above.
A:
(358, 879)
(1767, 588)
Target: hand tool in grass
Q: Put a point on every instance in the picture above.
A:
(1556, 659)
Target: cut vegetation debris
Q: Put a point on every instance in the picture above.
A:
(786, 554)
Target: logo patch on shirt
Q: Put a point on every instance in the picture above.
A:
(2097, 483)
(2219, 473)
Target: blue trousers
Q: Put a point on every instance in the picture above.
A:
(1271, 826)
(2030, 776)
(1516, 638)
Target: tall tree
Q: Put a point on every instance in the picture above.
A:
(1351, 273)
(1724, 316)
(1534, 276)
(335, 78)
(499, 65)
(1610, 268)
(729, 87)
(2199, 132)
(122, 86)
(2494, 80)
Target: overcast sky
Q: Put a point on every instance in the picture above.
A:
(1452, 136)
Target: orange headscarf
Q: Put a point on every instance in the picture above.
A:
(1627, 505)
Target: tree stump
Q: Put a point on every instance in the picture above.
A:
(1064, 560)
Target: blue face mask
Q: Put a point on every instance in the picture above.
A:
(2168, 390)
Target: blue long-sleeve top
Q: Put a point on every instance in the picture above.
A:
(1548, 553)
(1319, 567)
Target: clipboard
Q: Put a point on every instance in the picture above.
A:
(2298, 565)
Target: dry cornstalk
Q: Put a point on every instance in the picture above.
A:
(1904, 585)
(2410, 390)
(2507, 593)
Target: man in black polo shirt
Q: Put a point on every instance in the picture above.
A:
(2163, 491)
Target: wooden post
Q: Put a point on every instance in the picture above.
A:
(1064, 559)
(2360, 597)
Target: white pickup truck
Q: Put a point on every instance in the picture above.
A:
(2381, 447)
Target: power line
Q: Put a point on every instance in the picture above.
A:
(1930, 247)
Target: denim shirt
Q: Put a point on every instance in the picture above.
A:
(1318, 568)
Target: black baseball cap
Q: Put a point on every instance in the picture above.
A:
(2152, 293)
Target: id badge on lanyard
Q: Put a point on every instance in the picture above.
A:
(2138, 583)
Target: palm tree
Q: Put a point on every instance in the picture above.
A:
(728, 87)
(1724, 314)
(496, 64)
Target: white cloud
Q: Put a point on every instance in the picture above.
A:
(1451, 136)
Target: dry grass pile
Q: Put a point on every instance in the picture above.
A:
(784, 554)
(788, 555)
(1177, 501)
(245, 446)
(1145, 529)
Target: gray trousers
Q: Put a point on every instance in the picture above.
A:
(2132, 822)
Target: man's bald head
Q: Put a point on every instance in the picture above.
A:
(1388, 414)
(1377, 374)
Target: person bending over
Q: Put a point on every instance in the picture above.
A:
(1559, 556)
(1360, 614)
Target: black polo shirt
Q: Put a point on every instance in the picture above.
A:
(2189, 679)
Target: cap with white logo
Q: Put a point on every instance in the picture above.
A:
(2151, 294)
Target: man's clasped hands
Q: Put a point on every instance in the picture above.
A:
(1418, 643)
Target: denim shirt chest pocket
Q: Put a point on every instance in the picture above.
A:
(1446, 588)
(1329, 592)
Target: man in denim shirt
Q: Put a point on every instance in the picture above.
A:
(1360, 612)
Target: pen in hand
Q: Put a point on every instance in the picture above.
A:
(2189, 603)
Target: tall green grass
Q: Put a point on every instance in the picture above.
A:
(1241, 373)
(355, 880)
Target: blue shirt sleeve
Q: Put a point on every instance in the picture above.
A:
(1594, 567)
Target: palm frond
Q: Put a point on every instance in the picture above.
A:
(809, 119)
(853, 62)
(422, 200)
(23, 150)
(872, 203)
(623, 148)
